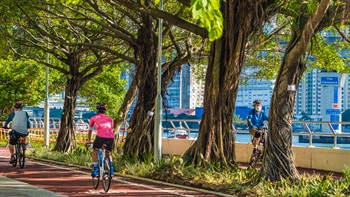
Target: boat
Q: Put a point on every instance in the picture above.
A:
(180, 134)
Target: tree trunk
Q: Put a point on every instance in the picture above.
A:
(66, 136)
(124, 109)
(278, 161)
(139, 141)
(138, 144)
(215, 141)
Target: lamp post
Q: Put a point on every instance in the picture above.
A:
(158, 108)
(46, 107)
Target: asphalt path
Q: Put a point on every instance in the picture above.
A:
(47, 179)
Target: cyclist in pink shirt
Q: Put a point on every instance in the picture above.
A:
(105, 135)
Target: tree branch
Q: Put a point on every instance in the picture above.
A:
(164, 15)
(342, 34)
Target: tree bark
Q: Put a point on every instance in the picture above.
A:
(215, 141)
(278, 161)
(66, 136)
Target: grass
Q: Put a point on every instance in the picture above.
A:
(229, 180)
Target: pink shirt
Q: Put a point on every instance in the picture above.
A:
(104, 125)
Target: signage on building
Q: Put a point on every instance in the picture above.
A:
(329, 80)
(335, 118)
(333, 111)
(335, 106)
(335, 95)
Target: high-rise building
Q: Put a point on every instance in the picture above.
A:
(196, 92)
(309, 96)
(178, 91)
(255, 89)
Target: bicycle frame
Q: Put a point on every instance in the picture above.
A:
(104, 169)
(20, 148)
(101, 154)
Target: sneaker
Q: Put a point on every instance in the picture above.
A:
(12, 159)
(94, 172)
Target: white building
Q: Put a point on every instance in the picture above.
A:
(309, 97)
(255, 89)
(196, 92)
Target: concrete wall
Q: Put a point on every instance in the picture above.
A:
(315, 158)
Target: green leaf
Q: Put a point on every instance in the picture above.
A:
(209, 14)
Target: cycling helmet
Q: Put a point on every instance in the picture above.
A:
(257, 102)
(101, 107)
(18, 104)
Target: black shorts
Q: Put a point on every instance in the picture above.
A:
(14, 136)
(99, 141)
(255, 133)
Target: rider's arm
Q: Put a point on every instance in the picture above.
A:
(265, 118)
(9, 119)
(91, 126)
(89, 135)
(249, 121)
(28, 122)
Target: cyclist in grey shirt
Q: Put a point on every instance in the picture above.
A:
(20, 126)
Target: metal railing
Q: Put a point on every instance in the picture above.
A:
(81, 126)
(242, 128)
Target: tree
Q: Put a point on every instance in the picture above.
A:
(75, 43)
(143, 44)
(20, 80)
(241, 20)
(215, 140)
(310, 18)
(106, 87)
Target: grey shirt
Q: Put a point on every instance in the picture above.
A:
(20, 121)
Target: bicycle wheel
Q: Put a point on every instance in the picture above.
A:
(107, 175)
(21, 155)
(14, 162)
(96, 179)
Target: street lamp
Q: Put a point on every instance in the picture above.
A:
(46, 107)
(158, 108)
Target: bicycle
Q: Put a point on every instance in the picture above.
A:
(256, 157)
(104, 169)
(20, 149)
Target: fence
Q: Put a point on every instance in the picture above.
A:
(302, 128)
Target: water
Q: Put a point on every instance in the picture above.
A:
(245, 138)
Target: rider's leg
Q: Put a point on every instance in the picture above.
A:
(110, 142)
(97, 143)
(13, 141)
(11, 149)
(256, 141)
(94, 156)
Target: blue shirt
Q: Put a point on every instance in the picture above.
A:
(256, 119)
(20, 121)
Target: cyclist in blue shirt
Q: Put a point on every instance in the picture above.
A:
(256, 121)
(20, 125)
